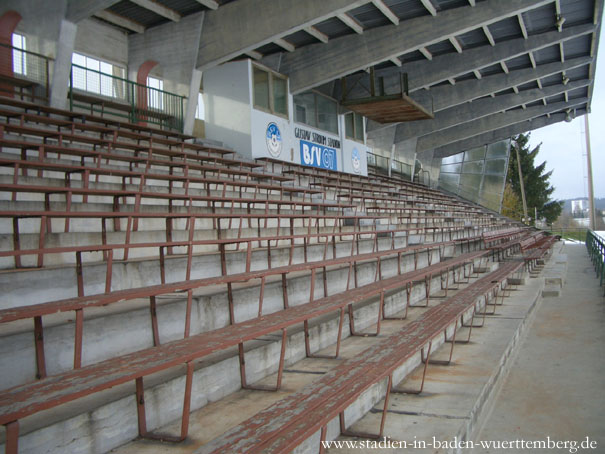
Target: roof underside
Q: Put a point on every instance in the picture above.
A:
(373, 16)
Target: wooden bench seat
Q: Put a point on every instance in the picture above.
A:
(24, 400)
(83, 117)
(187, 287)
(143, 163)
(290, 421)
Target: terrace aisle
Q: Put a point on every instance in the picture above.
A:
(556, 387)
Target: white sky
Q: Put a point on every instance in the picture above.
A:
(564, 145)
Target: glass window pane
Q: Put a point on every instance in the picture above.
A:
(493, 184)
(18, 41)
(451, 168)
(359, 127)
(280, 96)
(304, 109)
(200, 112)
(472, 167)
(92, 63)
(495, 166)
(78, 59)
(474, 154)
(452, 159)
(261, 88)
(350, 125)
(498, 149)
(327, 118)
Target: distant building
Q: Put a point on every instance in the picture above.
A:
(579, 208)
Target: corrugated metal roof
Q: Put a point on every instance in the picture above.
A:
(489, 70)
(540, 20)
(528, 86)
(407, 9)
(136, 13)
(577, 47)
(440, 48)
(472, 39)
(578, 73)
(301, 38)
(577, 12)
(443, 5)
(554, 79)
(505, 29)
(547, 55)
(369, 16)
(578, 93)
(519, 62)
(334, 28)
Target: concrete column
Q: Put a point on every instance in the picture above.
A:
(194, 89)
(62, 64)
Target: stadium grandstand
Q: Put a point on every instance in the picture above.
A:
(260, 226)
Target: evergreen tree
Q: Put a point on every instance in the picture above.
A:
(537, 187)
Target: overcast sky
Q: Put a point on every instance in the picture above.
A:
(564, 145)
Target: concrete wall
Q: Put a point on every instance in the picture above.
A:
(174, 46)
(102, 41)
(227, 98)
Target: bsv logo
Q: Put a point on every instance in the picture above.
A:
(314, 155)
(274, 141)
(356, 160)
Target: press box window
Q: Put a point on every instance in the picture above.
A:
(354, 126)
(317, 111)
(270, 91)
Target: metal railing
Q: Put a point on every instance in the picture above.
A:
(106, 93)
(382, 163)
(401, 168)
(23, 72)
(577, 234)
(596, 251)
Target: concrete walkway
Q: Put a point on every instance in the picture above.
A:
(556, 386)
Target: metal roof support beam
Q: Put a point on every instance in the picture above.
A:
(497, 135)
(120, 21)
(489, 35)
(279, 19)
(254, 55)
(78, 10)
(456, 44)
(351, 53)
(480, 108)
(384, 9)
(285, 44)
(210, 4)
(427, 54)
(446, 96)
(351, 23)
(424, 73)
(317, 34)
(490, 123)
(522, 25)
(429, 7)
(158, 8)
